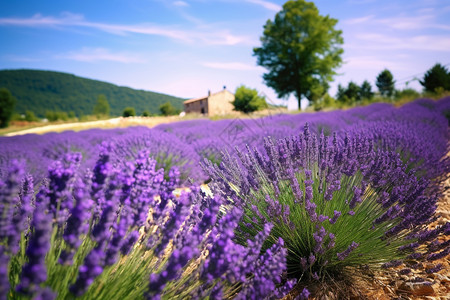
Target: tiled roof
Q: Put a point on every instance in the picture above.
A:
(195, 99)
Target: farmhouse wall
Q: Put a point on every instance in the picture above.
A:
(220, 103)
(214, 104)
(199, 106)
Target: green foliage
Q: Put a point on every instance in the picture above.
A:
(167, 109)
(101, 108)
(325, 102)
(349, 95)
(41, 91)
(247, 100)
(146, 113)
(385, 83)
(30, 116)
(7, 104)
(301, 49)
(365, 91)
(408, 94)
(435, 79)
(53, 116)
(129, 112)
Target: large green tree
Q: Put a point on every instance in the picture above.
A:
(101, 108)
(385, 83)
(7, 104)
(436, 77)
(300, 49)
(247, 100)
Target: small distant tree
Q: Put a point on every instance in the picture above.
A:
(350, 94)
(247, 100)
(146, 113)
(101, 108)
(53, 116)
(435, 79)
(7, 104)
(129, 112)
(167, 109)
(30, 116)
(385, 83)
(365, 91)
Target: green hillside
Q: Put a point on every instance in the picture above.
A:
(40, 91)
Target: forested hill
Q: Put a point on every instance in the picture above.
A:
(40, 91)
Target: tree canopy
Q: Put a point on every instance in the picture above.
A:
(101, 108)
(7, 103)
(129, 112)
(247, 100)
(436, 77)
(167, 109)
(300, 49)
(385, 83)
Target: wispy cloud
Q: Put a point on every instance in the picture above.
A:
(423, 21)
(212, 37)
(180, 3)
(360, 20)
(378, 41)
(101, 54)
(235, 66)
(266, 4)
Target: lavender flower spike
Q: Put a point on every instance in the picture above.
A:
(343, 255)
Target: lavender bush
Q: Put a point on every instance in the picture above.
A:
(336, 203)
(122, 233)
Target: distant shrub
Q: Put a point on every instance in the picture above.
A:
(30, 116)
(407, 93)
(129, 112)
(146, 113)
(53, 116)
(167, 109)
(247, 100)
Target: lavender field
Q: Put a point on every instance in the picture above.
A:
(297, 203)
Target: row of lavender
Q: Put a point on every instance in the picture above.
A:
(353, 188)
(415, 127)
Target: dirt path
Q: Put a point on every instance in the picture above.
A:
(104, 124)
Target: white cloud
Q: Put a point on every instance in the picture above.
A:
(235, 66)
(267, 5)
(358, 20)
(205, 35)
(101, 54)
(180, 3)
(379, 41)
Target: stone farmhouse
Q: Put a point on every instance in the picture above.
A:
(214, 104)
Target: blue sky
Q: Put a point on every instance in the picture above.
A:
(187, 47)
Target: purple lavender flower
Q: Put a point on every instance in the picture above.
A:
(34, 272)
(60, 175)
(336, 215)
(90, 269)
(344, 254)
(9, 190)
(434, 269)
(304, 295)
(77, 223)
